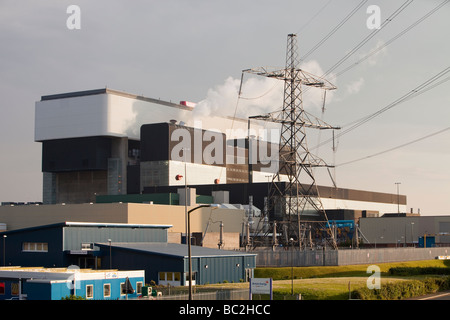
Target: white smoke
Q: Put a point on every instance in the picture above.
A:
(259, 95)
(313, 98)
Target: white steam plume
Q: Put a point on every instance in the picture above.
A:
(259, 95)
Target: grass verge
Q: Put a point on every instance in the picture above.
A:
(334, 282)
(285, 273)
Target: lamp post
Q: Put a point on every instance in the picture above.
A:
(291, 241)
(185, 191)
(212, 206)
(4, 250)
(110, 257)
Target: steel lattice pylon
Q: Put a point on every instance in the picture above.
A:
(299, 198)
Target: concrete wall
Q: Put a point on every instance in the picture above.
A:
(230, 240)
(18, 217)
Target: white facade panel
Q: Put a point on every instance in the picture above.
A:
(127, 115)
(119, 115)
(196, 173)
(71, 117)
(361, 205)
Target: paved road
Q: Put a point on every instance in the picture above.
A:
(445, 295)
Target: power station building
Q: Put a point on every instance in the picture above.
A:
(110, 143)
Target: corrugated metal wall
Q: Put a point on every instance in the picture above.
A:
(74, 236)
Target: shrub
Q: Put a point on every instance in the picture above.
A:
(403, 289)
(413, 271)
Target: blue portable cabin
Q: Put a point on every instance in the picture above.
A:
(59, 283)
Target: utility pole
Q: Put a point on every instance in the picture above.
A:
(295, 160)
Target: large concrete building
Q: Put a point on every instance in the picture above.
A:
(106, 142)
(91, 141)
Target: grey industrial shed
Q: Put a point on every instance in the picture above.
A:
(71, 243)
(167, 263)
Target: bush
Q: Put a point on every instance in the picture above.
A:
(403, 289)
(414, 271)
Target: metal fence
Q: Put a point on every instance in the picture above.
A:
(236, 294)
(286, 258)
(305, 258)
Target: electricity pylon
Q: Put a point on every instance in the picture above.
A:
(299, 198)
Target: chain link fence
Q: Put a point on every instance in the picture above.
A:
(234, 294)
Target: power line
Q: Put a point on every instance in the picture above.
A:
(394, 148)
(417, 22)
(338, 26)
(367, 38)
(313, 17)
(422, 88)
(370, 36)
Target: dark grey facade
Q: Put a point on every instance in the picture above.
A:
(71, 243)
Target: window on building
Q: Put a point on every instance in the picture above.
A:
(87, 246)
(2, 288)
(89, 291)
(107, 290)
(35, 247)
(139, 285)
(15, 288)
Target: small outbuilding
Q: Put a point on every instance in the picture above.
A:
(18, 283)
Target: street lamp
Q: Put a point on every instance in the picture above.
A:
(110, 257)
(291, 241)
(4, 248)
(188, 237)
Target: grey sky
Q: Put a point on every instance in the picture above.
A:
(187, 50)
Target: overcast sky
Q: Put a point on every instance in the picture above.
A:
(196, 50)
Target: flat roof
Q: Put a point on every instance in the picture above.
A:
(111, 91)
(61, 274)
(175, 249)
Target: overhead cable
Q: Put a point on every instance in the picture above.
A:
(417, 22)
(370, 36)
(338, 26)
(394, 148)
(422, 88)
